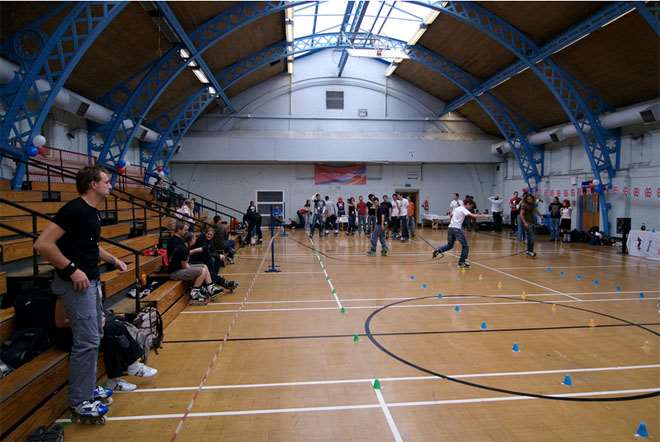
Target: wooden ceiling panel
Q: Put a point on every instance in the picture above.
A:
(246, 41)
(257, 77)
(192, 15)
(527, 95)
(129, 42)
(427, 80)
(473, 112)
(15, 15)
(621, 61)
(183, 86)
(541, 21)
(466, 46)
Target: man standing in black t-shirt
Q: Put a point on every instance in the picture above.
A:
(71, 244)
(382, 214)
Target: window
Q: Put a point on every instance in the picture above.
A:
(334, 99)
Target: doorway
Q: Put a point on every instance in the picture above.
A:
(413, 196)
(589, 210)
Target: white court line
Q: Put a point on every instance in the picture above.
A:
(388, 416)
(569, 267)
(273, 273)
(333, 291)
(366, 406)
(391, 379)
(373, 307)
(447, 295)
(518, 278)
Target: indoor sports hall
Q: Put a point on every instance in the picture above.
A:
(330, 221)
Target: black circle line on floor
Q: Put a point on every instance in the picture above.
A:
(381, 347)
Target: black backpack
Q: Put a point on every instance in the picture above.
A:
(24, 345)
(35, 308)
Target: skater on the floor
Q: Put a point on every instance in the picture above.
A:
(528, 216)
(455, 233)
(410, 219)
(403, 217)
(371, 213)
(496, 208)
(71, 244)
(318, 206)
(395, 212)
(352, 216)
(382, 216)
(565, 221)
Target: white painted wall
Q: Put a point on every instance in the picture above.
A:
(567, 162)
(236, 184)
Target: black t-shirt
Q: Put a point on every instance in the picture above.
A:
(172, 243)
(555, 209)
(80, 242)
(341, 209)
(371, 210)
(351, 210)
(180, 253)
(383, 210)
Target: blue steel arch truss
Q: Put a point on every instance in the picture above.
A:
(513, 127)
(651, 13)
(29, 97)
(599, 143)
(117, 134)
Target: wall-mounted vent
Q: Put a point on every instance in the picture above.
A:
(334, 99)
(82, 109)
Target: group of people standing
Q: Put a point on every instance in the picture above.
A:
(361, 216)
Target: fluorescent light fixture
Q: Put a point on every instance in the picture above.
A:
(200, 76)
(444, 4)
(616, 18)
(420, 31)
(431, 17)
(289, 30)
(184, 54)
(192, 64)
(289, 13)
(289, 67)
(506, 79)
(289, 50)
(128, 123)
(390, 69)
(169, 143)
(212, 90)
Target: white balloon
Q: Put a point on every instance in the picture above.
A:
(128, 163)
(39, 140)
(595, 182)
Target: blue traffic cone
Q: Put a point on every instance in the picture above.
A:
(457, 308)
(412, 277)
(641, 295)
(515, 348)
(618, 289)
(439, 296)
(484, 326)
(562, 274)
(567, 380)
(642, 431)
(549, 269)
(595, 282)
(424, 285)
(578, 277)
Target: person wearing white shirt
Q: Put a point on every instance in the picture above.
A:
(403, 217)
(456, 202)
(496, 204)
(394, 215)
(455, 232)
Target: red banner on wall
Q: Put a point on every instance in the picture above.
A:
(347, 175)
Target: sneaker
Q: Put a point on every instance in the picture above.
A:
(140, 370)
(103, 395)
(371, 253)
(465, 265)
(383, 253)
(230, 285)
(198, 295)
(213, 290)
(437, 253)
(532, 254)
(119, 384)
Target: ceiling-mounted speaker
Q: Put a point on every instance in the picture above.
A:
(82, 109)
(556, 136)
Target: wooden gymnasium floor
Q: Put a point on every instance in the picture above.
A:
(291, 371)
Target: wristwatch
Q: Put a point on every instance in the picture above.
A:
(69, 269)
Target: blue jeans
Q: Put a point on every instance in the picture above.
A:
(554, 229)
(378, 234)
(362, 221)
(411, 226)
(521, 230)
(372, 223)
(317, 220)
(84, 310)
(454, 234)
(530, 237)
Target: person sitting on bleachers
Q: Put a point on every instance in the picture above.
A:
(179, 268)
(221, 239)
(211, 258)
